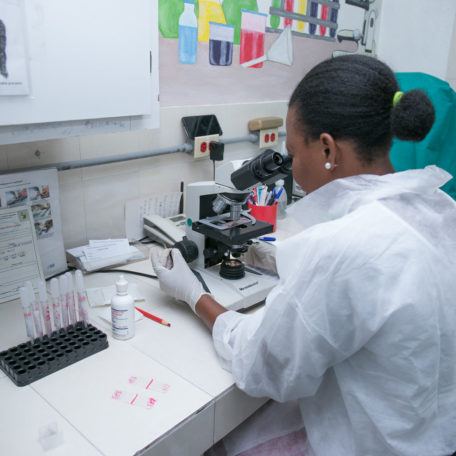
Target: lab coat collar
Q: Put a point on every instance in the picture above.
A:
(344, 195)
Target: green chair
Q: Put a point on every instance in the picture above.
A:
(439, 147)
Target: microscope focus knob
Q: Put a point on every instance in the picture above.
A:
(188, 249)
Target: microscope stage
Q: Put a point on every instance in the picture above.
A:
(234, 236)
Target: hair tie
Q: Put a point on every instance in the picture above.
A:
(397, 98)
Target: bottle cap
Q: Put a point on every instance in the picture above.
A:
(42, 290)
(280, 183)
(54, 288)
(70, 281)
(79, 280)
(63, 284)
(121, 285)
(30, 291)
(24, 297)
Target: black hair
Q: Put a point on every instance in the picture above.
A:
(351, 97)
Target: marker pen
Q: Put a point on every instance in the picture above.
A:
(70, 299)
(57, 310)
(36, 309)
(63, 287)
(28, 312)
(83, 305)
(44, 306)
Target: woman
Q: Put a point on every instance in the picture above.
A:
(360, 329)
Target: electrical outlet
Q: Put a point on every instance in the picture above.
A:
(269, 138)
(201, 146)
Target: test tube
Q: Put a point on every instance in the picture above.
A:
(63, 287)
(36, 309)
(70, 298)
(83, 306)
(57, 310)
(44, 305)
(28, 312)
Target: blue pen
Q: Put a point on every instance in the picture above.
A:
(277, 195)
(267, 238)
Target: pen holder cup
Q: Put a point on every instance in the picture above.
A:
(266, 214)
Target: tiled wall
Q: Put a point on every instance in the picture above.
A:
(93, 199)
(451, 73)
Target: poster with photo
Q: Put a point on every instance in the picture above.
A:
(14, 75)
(38, 190)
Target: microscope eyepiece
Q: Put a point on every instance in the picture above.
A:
(260, 169)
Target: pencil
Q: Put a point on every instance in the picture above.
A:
(153, 317)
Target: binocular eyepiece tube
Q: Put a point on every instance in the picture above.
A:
(261, 169)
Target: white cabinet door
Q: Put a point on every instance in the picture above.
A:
(88, 59)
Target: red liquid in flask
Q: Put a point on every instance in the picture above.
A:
(252, 46)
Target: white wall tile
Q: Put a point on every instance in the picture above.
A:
(41, 152)
(95, 146)
(3, 160)
(233, 120)
(104, 203)
(109, 145)
(93, 198)
(451, 72)
(72, 208)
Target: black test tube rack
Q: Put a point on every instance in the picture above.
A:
(36, 359)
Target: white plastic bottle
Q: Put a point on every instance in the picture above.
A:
(280, 195)
(122, 312)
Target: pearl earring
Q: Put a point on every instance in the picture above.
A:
(328, 166)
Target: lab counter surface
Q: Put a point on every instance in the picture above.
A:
(89, 402)
(196, 404)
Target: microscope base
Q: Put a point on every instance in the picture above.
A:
(238, 294)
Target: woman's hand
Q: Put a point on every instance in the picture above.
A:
(175, 277)
(261, 255)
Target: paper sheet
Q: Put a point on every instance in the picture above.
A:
(39, 190)
(13, 50)
(106, 248)
(163, 204)
(19, 257)
(101, 296)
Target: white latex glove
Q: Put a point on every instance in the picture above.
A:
(261, 255)
(175, 277)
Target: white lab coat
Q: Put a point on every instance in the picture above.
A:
(361, 328)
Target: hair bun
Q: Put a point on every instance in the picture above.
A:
(413, 116)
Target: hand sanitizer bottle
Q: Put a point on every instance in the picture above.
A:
(280, 195)
(122, 312)
(188, 33)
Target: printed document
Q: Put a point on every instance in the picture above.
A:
(19, 256)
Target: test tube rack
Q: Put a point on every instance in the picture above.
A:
(36, 359)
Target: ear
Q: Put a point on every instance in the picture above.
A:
(328, 149)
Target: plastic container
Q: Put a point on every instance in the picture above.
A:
(266, 214)
(30, 361)
(188, 33)
(122, 312)
(280, 195)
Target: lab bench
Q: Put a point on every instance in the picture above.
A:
(196, 400)
(196, 404)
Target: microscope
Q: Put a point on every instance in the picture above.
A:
(220, 226)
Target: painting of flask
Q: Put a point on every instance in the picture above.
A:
(253, 28)
(221, 44)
